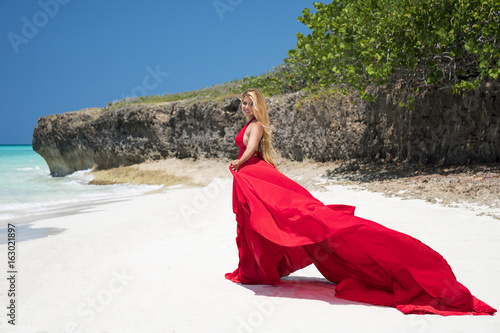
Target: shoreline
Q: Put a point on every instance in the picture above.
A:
(48, 209)
(68, 209)
(475, 187)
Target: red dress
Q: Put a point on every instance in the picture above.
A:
(281, 228)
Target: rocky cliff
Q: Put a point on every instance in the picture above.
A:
(442, 128)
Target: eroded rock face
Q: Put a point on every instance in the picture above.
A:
(443, 128)
(111, 137)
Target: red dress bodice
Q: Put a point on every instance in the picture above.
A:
(241, 145)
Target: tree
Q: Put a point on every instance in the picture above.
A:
(451, 43)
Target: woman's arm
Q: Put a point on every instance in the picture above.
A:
(256, 131)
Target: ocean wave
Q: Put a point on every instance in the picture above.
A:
(28, 189)
(22, 209)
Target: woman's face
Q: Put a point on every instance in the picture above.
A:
(247, 106)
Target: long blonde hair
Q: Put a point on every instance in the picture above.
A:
(260, 113)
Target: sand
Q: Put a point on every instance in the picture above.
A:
(156, 263)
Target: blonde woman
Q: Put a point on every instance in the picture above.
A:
(254, 140)
(281, 228)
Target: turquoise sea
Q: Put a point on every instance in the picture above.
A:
(26, 187)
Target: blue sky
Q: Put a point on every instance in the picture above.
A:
(66, 55)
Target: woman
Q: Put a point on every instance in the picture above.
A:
(281, 228)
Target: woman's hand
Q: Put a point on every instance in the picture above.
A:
(235, 165)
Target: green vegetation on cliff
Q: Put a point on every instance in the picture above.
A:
(448, 43)
(211, 93)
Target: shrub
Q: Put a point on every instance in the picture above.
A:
(451, 43)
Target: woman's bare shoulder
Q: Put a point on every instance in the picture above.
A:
(256, 125)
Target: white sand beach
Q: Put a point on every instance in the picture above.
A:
(156, 263)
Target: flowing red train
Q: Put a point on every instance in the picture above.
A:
(281, 228)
